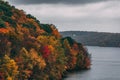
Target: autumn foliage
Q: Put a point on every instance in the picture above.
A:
(3, 30)
(30, 50)
(45, 51)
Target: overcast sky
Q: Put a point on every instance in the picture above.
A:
(80, 15)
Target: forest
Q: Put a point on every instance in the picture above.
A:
(30, 50)
(94, 38)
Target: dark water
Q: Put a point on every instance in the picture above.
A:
(105, 65)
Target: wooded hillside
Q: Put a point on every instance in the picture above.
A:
(94, 38)
(30, 50)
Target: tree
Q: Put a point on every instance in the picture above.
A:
(2, 24)
(8, 68)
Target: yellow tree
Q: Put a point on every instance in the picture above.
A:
(9, 68)
(54, 55)
(28, 61)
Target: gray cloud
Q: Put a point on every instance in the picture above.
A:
(55, 1)
(101, 16)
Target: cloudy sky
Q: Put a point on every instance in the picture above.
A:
(80, 15)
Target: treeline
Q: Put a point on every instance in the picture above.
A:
(95, 38)
(30, 50)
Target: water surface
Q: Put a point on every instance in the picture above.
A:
(105, 65)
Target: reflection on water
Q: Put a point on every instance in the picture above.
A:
(105, 65)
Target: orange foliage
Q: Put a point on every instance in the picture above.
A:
(74, 59)
(55, 32)
(73, 52)
(6, 23)
(3, 30)
(38, 50)
(51, 48)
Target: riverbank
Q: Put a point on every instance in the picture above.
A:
(105, 65)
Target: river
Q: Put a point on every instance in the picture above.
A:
(105, 65)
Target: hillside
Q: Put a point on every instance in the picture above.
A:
(30, 50)
(94, 38)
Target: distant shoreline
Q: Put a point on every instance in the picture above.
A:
(102, 39)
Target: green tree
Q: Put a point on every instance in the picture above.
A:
(2, 24)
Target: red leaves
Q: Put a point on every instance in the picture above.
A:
(1, 76)
(45, 51)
